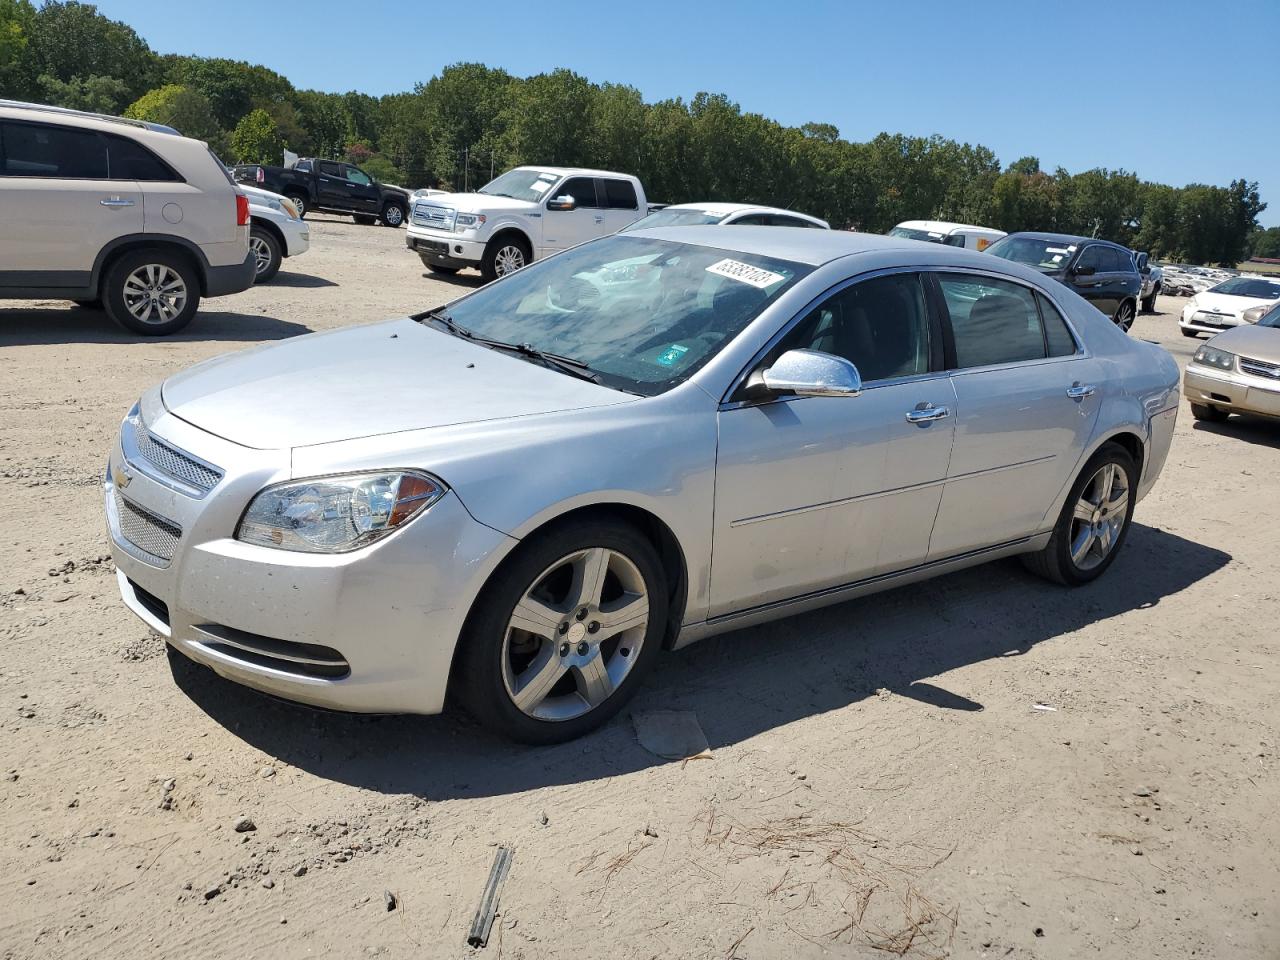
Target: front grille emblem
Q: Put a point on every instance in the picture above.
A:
(122, 477)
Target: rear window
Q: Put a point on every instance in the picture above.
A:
(620, 195)
(129, 160)
(40, 150)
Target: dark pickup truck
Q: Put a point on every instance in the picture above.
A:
(332, 186)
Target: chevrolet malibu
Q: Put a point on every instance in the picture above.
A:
(521, 498)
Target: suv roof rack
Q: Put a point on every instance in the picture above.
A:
(67, 111)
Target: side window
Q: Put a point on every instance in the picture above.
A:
(129, 160)
(330, 169)
(778, 220)
(1056, 333)
(36, 150)
(1091, 256)
(880, 325)
(582, 189)
(750, 220)
(993, 321)
(1123, 260)
(620, 195)
(954, 240)
(357, 176)
(303, 166)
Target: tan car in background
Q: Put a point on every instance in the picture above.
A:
(1237, 371)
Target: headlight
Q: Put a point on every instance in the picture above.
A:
(1215, 358)
(337, 514)
(1254, 314)
(465, 221)
(289, 207)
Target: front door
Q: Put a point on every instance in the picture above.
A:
(363, 193)
(59, 205)
(814, 492)
(1098, 287)
(1027, 399)
(562, 229)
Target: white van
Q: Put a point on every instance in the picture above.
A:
(952, 234)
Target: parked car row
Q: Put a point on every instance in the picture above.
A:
(331, 186)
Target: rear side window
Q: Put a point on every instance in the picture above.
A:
(330, 169)
(582, 189)
(993, 321)
(620, 195)
(129, 160)
(38, 150)
(1056, 333)
(1123, 261)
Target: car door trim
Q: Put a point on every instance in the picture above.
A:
(862, 497)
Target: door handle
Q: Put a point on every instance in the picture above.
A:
(599, 219)
(927, 414)
(1078, 390)
(116, 202)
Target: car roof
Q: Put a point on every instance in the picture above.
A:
(725, 209)
(942, 226)
(1067, 238)
(21, 110)
(565, 171)
(796, 244)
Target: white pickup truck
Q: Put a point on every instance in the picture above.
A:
(523, 215)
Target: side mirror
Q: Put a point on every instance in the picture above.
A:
(811, 373)
(1084, 271)
(565, 202)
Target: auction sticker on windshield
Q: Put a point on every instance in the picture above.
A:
(745, 273)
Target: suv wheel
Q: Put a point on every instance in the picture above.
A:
(1124, 315)
(151, 292)
(392, 215)
(266, 253)
(503, 256)
(300, 202)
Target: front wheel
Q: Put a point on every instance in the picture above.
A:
(151, 292)
(561, 637)
(1094, 521)
(1209, 413)
(1194, 334)
(1124, 315)
(267, 256)
(503, 256)
(442, 270)
(1149, 302)
(392, 215)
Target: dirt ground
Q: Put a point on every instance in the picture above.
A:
(883, 776)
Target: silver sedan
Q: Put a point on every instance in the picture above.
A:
(524, 497)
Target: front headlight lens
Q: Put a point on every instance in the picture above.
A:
(1254, 314)
(465, 221)
(1215, 358)
(290, 208)
(337, 514)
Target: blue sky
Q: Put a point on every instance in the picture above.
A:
(1178, 92)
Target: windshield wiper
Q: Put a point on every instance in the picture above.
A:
(569, 365)
(441, 316)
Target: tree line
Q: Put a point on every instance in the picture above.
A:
(472, 121)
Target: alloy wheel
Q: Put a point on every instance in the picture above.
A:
(1099, 515)
(393, 216)
(509, 259)
(575, 634)
(261, 254)
(154, 293)
(1124, 316)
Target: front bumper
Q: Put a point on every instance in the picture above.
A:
(372, 631)
(1232, 390)
(444, 249)
(297, 237)
(1193, 318)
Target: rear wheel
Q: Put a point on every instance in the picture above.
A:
(561, 636)
(1124, 315)
(151, 292)
(266, 253)
(1094, 521)
(392, 215)
(1208, 412)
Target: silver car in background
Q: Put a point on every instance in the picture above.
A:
(523, 497)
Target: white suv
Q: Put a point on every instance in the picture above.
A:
(132, 215)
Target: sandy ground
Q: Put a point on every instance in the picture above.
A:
(880, 778)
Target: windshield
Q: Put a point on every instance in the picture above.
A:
(1048, 256)
(521, 184)
(1249, 287)
(910, 233)
(641, 314)
(675, 218)
(1271, 319)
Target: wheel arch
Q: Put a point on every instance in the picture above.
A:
(274, 230)
(507, 232)
(1129, 436)
(149, 241)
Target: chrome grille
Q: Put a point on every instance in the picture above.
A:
(174, 462)
(430, 215)
(149, 532)
(1260, 368)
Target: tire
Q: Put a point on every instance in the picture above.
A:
(1149, 302)
(557, 681)
(442, 270)
(1056, 561)
(363, 220)
(92, 304)
(1124, 314)
(266, 251)
(1194, 334)
(300, 201)
(131, 281)
(1209, 413)
(505, 255)
(392, 215)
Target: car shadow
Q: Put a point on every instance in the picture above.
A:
(289, 279)
(43, 326)
(1263, 431)
(469, 280)
(739, 685)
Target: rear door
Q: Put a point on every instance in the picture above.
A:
(568, 228)
(331, 186)
(621, 205)
(1027, 397)
(59, 205)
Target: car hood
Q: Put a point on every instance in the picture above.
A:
(367, 381)
(478, 202)
(1257, 343)
(1227, 302)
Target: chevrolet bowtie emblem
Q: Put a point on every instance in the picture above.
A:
(122, 477)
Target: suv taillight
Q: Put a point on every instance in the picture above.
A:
(242, 210)
(261, 175)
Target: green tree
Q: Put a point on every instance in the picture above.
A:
(232, 87)
(74, 44)
(255, 139)
(182, 108)
(1266, 243)
(18, 66)
(95, 94)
